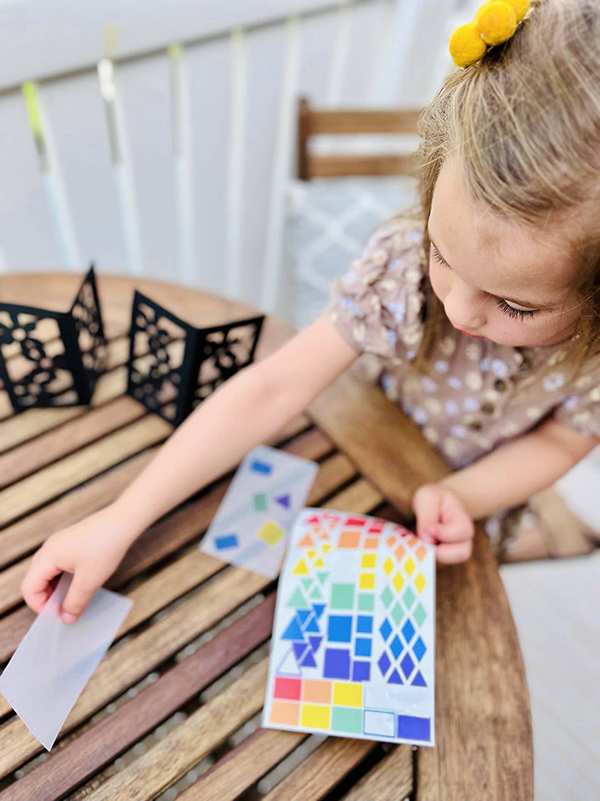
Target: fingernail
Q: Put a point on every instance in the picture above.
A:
(68, 617)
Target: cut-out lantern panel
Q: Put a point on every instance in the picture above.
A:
(50, 358)
(174, 366)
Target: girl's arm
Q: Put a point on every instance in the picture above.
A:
(246, 410)
(514, 472)
(507, 477)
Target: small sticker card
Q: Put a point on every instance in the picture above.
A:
(251, 526)
(353, 648)
(55, 660)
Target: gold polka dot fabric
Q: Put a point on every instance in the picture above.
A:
(475, 394)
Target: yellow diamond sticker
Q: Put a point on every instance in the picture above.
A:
(398, 581)
(409, 566)
(388, 566)
(270, 532)
(420, 582)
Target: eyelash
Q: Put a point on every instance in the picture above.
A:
(514, 314)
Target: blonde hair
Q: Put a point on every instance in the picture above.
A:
(524, 123)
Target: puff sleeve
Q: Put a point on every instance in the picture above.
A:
(378, 304)
(581, 408)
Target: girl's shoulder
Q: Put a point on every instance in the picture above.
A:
(377, 305)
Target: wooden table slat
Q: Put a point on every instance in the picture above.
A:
(69, 472)
(186, 745)
(241, 768)
(390, 780)
(322, 770)
(59, 442)
(81, 758)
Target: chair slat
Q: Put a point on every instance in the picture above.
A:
(390, 780)
(362, 121)
(322, 770)
(335, 166)
(84, 756)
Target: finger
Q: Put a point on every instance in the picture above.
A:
(426, 506)
(78, 596)
(454, 552)
(456, 532)
(39, 582)
(452, 509)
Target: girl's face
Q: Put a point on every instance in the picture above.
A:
(497, 280)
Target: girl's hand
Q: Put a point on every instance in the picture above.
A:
(442, 520)
(91, 549)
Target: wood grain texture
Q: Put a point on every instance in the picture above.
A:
(339, 166)
(69, 472)
(59, 442)
(357, 121)
(243, 766)
(390, 780)
(483, 724)
(99, 745)
(185, 746)
(322, 770)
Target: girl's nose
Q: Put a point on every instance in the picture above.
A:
(464, 307)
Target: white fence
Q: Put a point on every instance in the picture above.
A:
(165, 131)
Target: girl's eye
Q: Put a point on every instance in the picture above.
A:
(515, 314)
(436, 255)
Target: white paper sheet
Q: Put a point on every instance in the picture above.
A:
(55, 660)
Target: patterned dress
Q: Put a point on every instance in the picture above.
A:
(475, 394)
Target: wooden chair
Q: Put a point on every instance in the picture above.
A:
(365, 121)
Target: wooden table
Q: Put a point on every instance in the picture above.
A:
(183, 684)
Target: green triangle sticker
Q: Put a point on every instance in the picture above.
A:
(307, 582)
(316, 594)
(297, 601)
(322, 576)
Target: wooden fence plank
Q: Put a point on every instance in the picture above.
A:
(84, 756)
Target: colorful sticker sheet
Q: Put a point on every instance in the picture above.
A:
(353, 648)
(251, 526)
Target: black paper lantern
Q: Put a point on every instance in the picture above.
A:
(50, 358)
(174, 366)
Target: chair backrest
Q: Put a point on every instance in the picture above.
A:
(312, 122)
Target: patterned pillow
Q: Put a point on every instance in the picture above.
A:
(329, 221)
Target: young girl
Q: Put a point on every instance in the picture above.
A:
(481, 312)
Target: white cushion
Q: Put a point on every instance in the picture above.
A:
(329, 221)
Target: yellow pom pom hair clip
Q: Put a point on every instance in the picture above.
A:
(494, 23)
